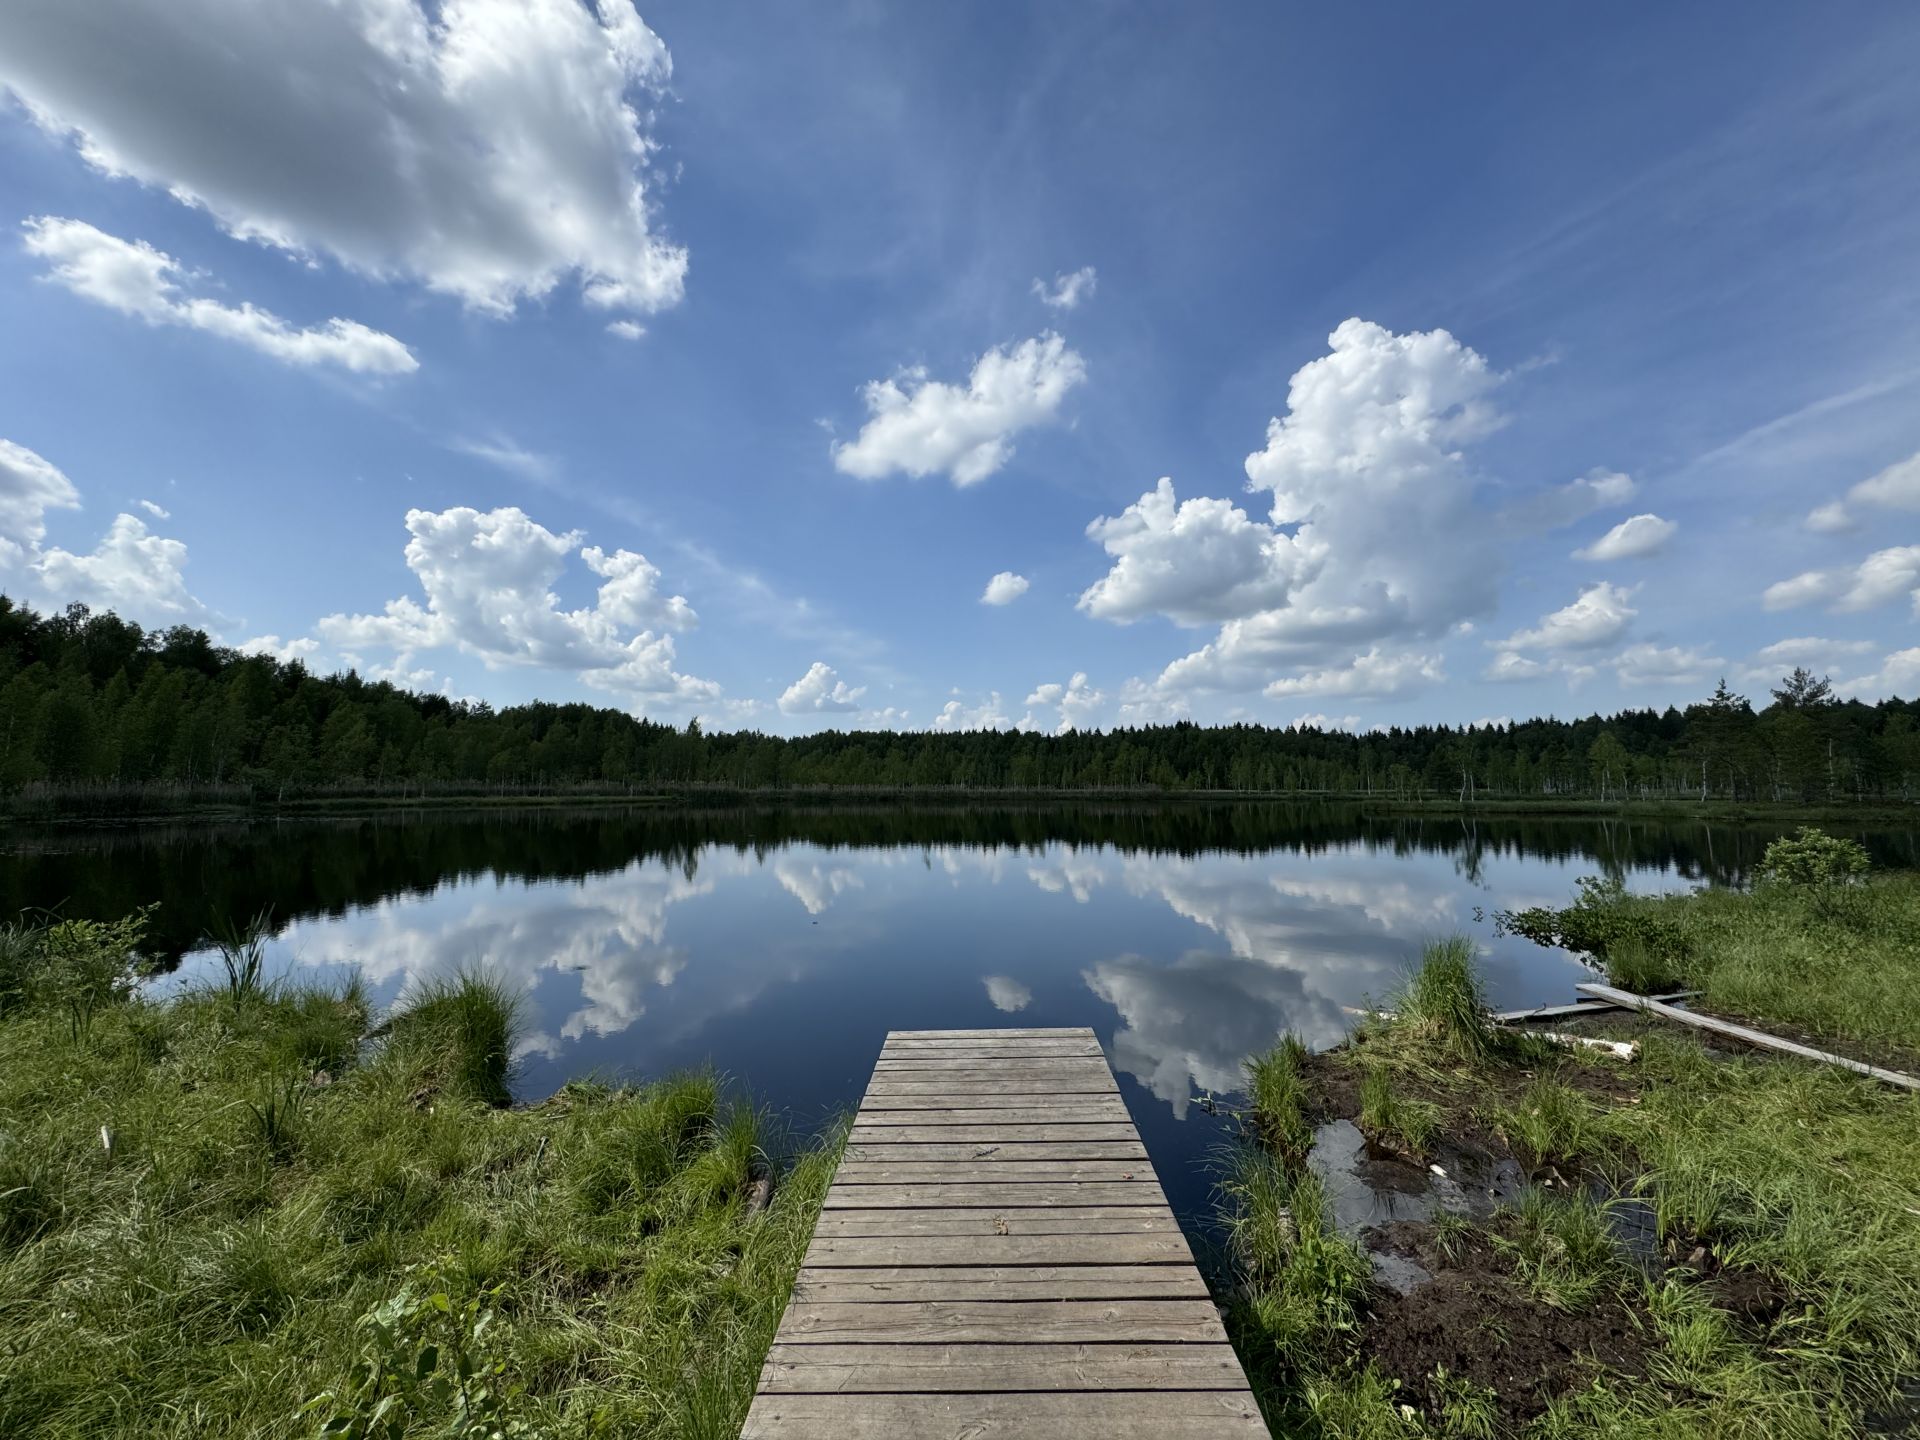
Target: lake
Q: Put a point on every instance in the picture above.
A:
(780, 945)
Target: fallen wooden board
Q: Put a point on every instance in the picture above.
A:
(1578, 1007)
(1111, 1415)
(1619, 1049)
(827, 1369)
(1741, 1032)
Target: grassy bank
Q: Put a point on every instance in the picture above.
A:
(1702, 1242)
(233, 1213)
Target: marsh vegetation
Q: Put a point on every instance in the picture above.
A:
(259, 1209)
(1709, 1242)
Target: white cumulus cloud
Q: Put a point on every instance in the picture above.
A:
(1065, 291)
(1196, 561)
(130, 570)
(818, 692)
(134, 278)
(1007, 994)
(1373, 527)
(1599, 617)
(485, 148)
(283, 650)
(990, 714)
(1899, 674)
(919, 426)
(1004, 589)
(1666, 665)
(1376, 675)
(1895, 488)
(1561, 505)
(488, 580)
(1077, 701)
(1632, 538)
(1883, 576)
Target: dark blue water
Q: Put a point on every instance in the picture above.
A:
(780, 947)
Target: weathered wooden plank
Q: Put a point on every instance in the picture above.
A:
(993, 1170)
(1062, 1031)
(1044, 1064)
(1751, 1037)
(1064, 1129)
(922, 1322)
(1578, 1007)
(995, 1258)
(881, 1149)
(840, 1284)
(1017, 1247)
(1062, 1114)
(991, 1100)
(1017, 1045)
(1110, 1415)
(958, 1088)
(1080, 1051)
(826, 1369)
(985, 1055)
(1075, 1073)
(950, 1197)
(1057, 1220)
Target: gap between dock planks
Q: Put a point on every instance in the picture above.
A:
(995, 1261)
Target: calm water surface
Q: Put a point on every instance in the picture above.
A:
(780, 946)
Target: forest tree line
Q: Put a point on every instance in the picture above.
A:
(89, 700)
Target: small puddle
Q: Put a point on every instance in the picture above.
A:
(1367, 1187)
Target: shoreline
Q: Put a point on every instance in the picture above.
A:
(74, 810)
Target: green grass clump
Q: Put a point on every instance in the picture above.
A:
(1550, 1124)
(1396, 1120)
(213, 1213)
(454, 1036)
(1303, 1283)
(1443, 1001)
(1561, 1248)
(1278, 1090)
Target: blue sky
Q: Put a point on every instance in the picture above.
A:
(714, 359)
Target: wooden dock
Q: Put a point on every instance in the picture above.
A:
(995, 1261)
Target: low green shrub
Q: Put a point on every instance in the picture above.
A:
(1811, 858)
(1604, 918)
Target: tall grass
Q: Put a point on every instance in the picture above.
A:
(243, 954)
(1393, 1118)
(1304, 1284)
(454, 1035)
(276, 1182)
(1278, 1090)
(1443, 1000)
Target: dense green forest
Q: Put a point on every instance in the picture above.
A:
(90, 703)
